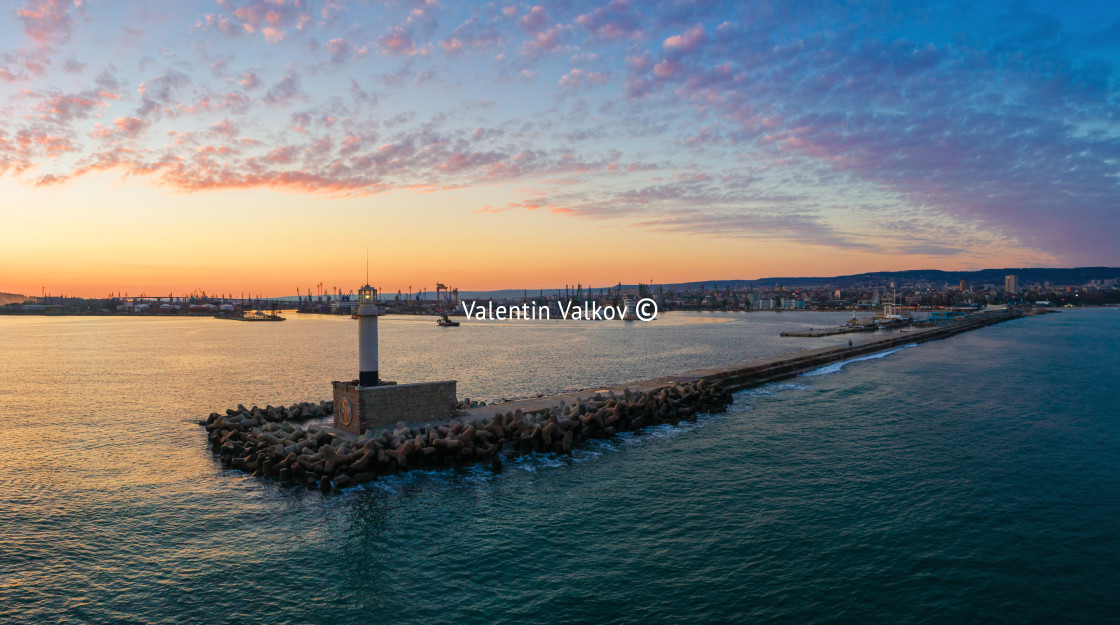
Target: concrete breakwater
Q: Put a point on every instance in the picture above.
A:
(755, 373)
(320, 457)
(269, 443)
(763, 370)
(302, 411)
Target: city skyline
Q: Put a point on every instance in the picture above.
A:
(264, 145)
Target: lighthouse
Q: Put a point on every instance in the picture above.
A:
(372, 402)
(368, 312)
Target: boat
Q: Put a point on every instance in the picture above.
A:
(244, 316)
(630, 313)
(443, 320)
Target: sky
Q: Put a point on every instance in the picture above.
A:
(262, 146)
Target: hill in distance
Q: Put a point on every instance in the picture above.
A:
(12, 298)
(875, 279)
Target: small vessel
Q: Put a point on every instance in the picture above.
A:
(246, 316)
(443, 320)
(630, 313)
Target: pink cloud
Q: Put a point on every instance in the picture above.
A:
(122, 127)
(398, 42)
(351, 144)
(471, 35)
(579, 78)
(7, 76)
(452, 45)
(535, 20)
(67, 107)
(204, 179)
(215, 150)
(130, 125)
(686, 43)
(667, 69)
(549, 40)
(46, 21)
(618, 19)
(250, 81)
(273, 19)
(23, 64)
(272, 35)
(281, 156)
(223, 127)
(30, 141)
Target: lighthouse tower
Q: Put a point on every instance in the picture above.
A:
(371, 402)
(368, 312)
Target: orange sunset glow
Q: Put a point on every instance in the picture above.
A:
(262, 148)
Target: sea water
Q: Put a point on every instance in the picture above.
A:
(969, 480)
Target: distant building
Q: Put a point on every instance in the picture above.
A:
(1011, 283)
(964, 284)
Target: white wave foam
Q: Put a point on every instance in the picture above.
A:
(837, 366)
(769, 389)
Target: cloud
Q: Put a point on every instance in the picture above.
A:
(341, 51)
(667, 69)
(535, 20)
(285, 91)
(618, 19)
(47, 21)
(549, 40)
(398, 41)
(470, 36)
(29, 145)
(273, 20)
(686, 43)
(67, 107)
(997, 120)
(281, 156)
(224, 127)
(130, 125)
(249, 81)
(578, 78)
(24, 65)
(157, 94)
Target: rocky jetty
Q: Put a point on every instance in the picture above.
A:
(468, 404)
(300, 412)
(251, 440)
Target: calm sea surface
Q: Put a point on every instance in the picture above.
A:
(970, 480)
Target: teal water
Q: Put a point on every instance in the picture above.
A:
(969, 480)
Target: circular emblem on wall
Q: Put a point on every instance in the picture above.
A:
(344, 415)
